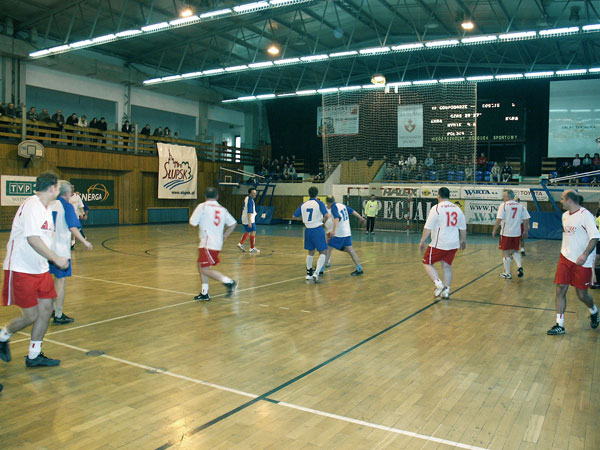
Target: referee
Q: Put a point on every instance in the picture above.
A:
(371, 210)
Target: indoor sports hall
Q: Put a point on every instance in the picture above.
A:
(392, 111)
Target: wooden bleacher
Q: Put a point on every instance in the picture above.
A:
(357, 172)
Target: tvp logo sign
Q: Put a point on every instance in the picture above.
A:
(16, 189)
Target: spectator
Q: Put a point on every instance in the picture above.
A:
(94, 124)
(126, 128)
(102, 126)
(58, 119)
(72, 121)
(146, 131)
(158, 132)
(576, 164)
(596, 161)
(82, 123)
(370, 162)
(11, 112)
(412, 162)
(586, 164)
(167, 132)
(564, 169)
(442, 172)
(44, 117)
(482, 162)
(176, 135)
(32, 115)
(1, 109)
(506, 172)
(496, 173)
(429, 162)
(468, 173)
(292, 172)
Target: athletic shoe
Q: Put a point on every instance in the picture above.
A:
(63, 319)
(315, 278)
(254, 250)
(41, 360)
(309, 273)
(231, 287)
(438, 290)
(445, 293)
(241, 247)
(506, 276)
(1, 387)
(556, 329)
(367, 232)
(520, 270)
(594, 320)
(357, 273)
(4, 351)
(202, 297)
(523, 253)
(595, 286)
(321, 272)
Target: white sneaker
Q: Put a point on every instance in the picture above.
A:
(445, 293)
(315, 277)
(254, 250)
(241, 247)
(506, 276)
(438, 289)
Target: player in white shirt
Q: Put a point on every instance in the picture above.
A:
(522, 243)
(27, 280)
(66, 223)
(341, 238)
(214, 225)
(577, 254)
(448, 229)
(77, 203)
(313, 213)
(249, 221)
(514, 219)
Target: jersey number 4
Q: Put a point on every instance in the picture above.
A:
(452, 218)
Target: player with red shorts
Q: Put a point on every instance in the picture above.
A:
(577, 254)
(27, 280)
(512, 215)
(448, 229)
(214, 225)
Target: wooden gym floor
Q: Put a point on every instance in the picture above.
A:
(351, 363)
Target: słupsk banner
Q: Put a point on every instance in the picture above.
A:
(177, 171)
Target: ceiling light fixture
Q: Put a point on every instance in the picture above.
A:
(378, 79)
(273, 50)
(467, 25)
(186, 12)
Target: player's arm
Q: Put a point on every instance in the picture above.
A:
(498, 219)
(430, 224)
(463, 238)
(195, 219)
(75, 231)
(38, 245)
(250, 211)
(424, 237)
(297, 214)
(228, 230)
(586, 253)
(496, 225)
(359, 217)
(525, 229)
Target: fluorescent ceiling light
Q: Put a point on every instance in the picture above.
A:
(327, 90)
(250, 6)
(518, 35)
(509, 76)
(548, 73)
(154, 27)
(260, 64)
(183, 20)
(405, 47)
(350, 88)
(559, 31)
(478, 39)
(81, 43)
(444, 43)
(314, 58)
(400, 84)
(153, 81)
(128, 33)
(581, 110)
(595, 27)
(220, 12)
(265, 96)
(59, 48)
(246, 98)
(39, 53)
(289, 94)
(452, 80)
(104, 38)
(374, 50)
(285, 2)
(191, 74)
(287, 61)
(571, 72)
(373, 86)
(234, 68)
(341, 54)
(171, 78)
(425, 82)
(594, 70)
(306, 92)
(231, 100)
(212, 71)
(481, 78)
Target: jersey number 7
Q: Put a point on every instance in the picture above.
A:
(310, 211)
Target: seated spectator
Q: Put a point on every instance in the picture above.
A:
(176, 135)
(158, 132)
(284, 172)
(32, 115)
(146, 130)
(370, 162)
(72, 120)
(506, 172)
(292, 172)
(102, 126)
(429, 162)
(126, 128)
(11, 112)
(82, 122)
(420, 172)
(389, 171)
(442, 172)
(44, 116)
(576, 164)
(167, 132)
(468, 169)
(412, 162)
(564, 169)
(586, 164)
(94, 124)
(1, 109)
(596, 161)
(496, 173)
(482, 162)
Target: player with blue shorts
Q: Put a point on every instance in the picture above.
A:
(341, 234)
(249, 221)
(313, 213)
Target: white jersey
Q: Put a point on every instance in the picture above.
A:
(210, 218)
(343, 213)
(77, 203)
(445, 220)
(578, 229)
(312, 212)
(512, 215)
(64, 218)
(33, 218)
(249, 208)
(328, 225)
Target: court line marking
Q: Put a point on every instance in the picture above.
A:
(276, 402)
(508, 305)
(319, 366)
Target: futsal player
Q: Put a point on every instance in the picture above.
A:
(214, 224)
(341, 238)
(79, 206)
(511, 215)
(577, 254)
(371, 210)
(248, 220)
(448, 229)
(66, 223)
(313, 213)
(27, 280)
(522, 242)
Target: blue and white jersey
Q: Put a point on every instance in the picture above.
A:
(343, 213)
(64, 218)
(249, 208)
(312, 212)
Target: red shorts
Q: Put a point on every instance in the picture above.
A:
(570, 273)
(510, 243)
(207, 257)
(24, 289)
(433, 255)
(522, 229)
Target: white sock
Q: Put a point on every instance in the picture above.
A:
(57, 311)
(320, 264)
(4, 335)
(35, 348)
(204, 288)
(522, 249)
(438, 283)
(506, 262)
(309, 262)
(594, 310)
(517, 258)
(560, 319)
(225, 280)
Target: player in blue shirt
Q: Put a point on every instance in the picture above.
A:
(313, 213)
(249, 221)
(341, 235)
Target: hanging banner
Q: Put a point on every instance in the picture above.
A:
(338, 120)
(410, 126)
(95, 192)
(177, 171)
(15, 189)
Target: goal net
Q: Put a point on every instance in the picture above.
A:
(399, 213)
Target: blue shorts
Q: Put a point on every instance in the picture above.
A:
(60, 273)
(315, 238)
(250, 229)
(340, 242)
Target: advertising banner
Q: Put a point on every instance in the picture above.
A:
(95, 192)
(482, 212)
(338, 120)
(410, 126)
(16, 189)
(177, 171)
(432, 191)
(483, 192)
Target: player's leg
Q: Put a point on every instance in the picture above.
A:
(506, 263)
(447, 270)
(320, 263)
(585, 297)
(244, 237)
(561, 305)
(516, 255)
(354, 257)
(320, 243)
(59, 285)
(28, 316)
(38, 330)
(309, 264)
(216, 275)
(253, 249)
(328, 254)
(429, 259)
(596, 284)
(522, 246)
(203, 295)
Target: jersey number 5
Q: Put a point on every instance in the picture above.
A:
(217, 217)
(452, 218)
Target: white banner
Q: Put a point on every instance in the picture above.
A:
(525, 194)
(16, 189)
(432, 191)
(488, 193)
(410, 125)
(177, 171)
(482, 212)
(337, 120)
